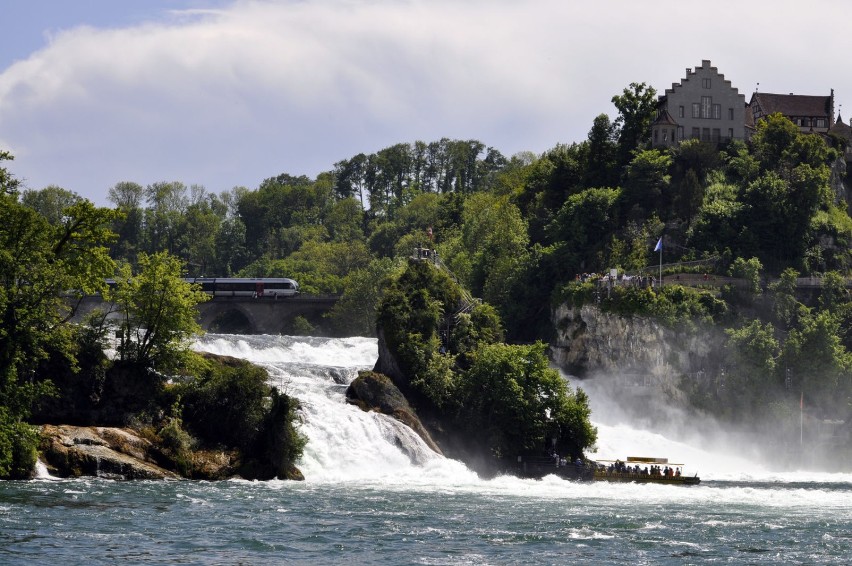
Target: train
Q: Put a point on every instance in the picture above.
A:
(270, 287)
(259, 287)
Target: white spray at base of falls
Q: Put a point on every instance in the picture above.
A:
(346, 444)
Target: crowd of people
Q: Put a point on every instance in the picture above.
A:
(623, 280)
(619, 467)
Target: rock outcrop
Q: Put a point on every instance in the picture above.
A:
(115, 453)
(376, 392)
(590, 341)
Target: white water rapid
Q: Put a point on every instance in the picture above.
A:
(346, 444)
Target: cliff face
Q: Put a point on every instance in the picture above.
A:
(589, 341)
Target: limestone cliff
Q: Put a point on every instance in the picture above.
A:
(589, 341)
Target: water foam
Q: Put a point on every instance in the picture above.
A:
(346, 444)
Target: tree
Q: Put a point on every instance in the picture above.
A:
(158, 311)
(43, 266)
(166, 205)
(786, 308)
(815, 353)
(582, 226)
(8, 183)
(355, 313)
(514, 402)
(51, 202)
(129, 226)
(750, 271)
(636, 106)
(647, 183)
(601, 170)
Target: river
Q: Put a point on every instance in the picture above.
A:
(375, 495)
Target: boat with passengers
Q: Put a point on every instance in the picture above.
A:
(641, 469)
(637, 469)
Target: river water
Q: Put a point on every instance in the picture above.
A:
(374, 494)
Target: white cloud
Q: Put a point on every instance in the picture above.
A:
(231, 96)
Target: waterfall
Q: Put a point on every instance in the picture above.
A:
(344, 442)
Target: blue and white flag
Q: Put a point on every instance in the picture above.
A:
(659, 245)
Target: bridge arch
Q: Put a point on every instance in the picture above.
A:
(230, 319)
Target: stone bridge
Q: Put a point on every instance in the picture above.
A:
(246, 315)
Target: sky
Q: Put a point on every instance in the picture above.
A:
(227, 93)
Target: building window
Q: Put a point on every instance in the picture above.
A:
(696, 110)
(820, 122)
(696, 133)
(730, 133)
(706, 106)
(680, 112)
(717, 111)
(656, 136)
(680, 132)
(730, 113)
(705, 83)
(705, 134)
(717, 135)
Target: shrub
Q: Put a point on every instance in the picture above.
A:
(18, 447)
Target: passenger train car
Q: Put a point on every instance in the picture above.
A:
(258, 288)
(269, 287)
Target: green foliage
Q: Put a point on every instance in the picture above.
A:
(786, 308)
(226, 403)
(355, 313)
(671, 304)
(415, 310)
(756, 349)
(319, 267)
(18, 447)
(301, 326)
(230, 404)
(39, 262)
(579, 231)
(51, 202)
(514, 402)
(157, 309)
(8, 183)
(647, 183)
(636, 107)
(176, 442)
(823, 366)
(750, 271)
(505, 399)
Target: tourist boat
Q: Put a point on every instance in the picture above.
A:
(650, 470)
(640, 469)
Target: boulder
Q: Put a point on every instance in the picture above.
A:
(115, 453)
(376, 392)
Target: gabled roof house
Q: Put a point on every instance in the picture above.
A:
(703, 105)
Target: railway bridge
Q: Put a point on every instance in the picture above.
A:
(248, 315)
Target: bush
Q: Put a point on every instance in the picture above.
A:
(231, 405)
(227, 403)
(177, 444)
(18, 448)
